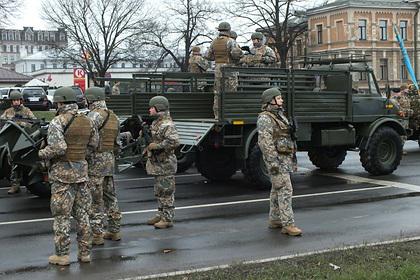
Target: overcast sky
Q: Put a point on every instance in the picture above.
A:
(30, 15)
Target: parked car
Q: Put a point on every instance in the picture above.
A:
(35, 98)
(50, 96)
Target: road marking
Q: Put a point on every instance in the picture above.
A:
(213, 204)
(280, 258)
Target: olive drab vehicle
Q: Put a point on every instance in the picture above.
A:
(336, 106)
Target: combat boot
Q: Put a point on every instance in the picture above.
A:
(153, 220)
(59, 260)
(84, 258)
(291, 230)
(14, 189)
(114, 236)
(274, 224)
(98, 239)
(163, 224)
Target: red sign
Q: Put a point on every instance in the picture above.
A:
(79, 78)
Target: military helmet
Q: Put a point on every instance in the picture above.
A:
(257, 35)
(224, 26)
(64, 94)
(15, 94)
(196, 49)
(269, 94)
(233, 34)
(95, 94)
(160, 103)
(236, 53)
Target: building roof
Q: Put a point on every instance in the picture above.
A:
(8, 76)
(374, 4)
(42, 55)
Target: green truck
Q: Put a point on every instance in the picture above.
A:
(333, 115)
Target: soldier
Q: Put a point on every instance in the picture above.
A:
(233, 35)
(15, 112)
(70, 134)
(278, 149)
(197, 64)
(101, 168)
(260, 54)
(222, 52)
(162, 162)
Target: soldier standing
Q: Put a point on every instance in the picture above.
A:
(69, 136)
(16, 112)
(101, 169)
(222, 52)
(197, 64)
(278, 148)
(260, 54)
(162, 162)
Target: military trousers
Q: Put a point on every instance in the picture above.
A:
(66, 200)
(164, 190)
(231, 84)
(16, 175)
(281, 199)
(104, 200)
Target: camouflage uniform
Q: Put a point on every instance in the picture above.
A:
(15, 114)
(197, 64)
(69, 192)
(278, 151)
(220, 51)
(261, 56)
(415, 108)
(101, 180)
(162, 164)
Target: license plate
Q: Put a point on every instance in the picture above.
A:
(33, 98)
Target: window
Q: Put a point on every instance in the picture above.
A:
(40, 48)
(122, 65)
(340, 30)
(298, 47)
(54, 65)
(4, 36)
(6, 61)
(32, 49)
(134, 65)
(33, 68)
(64, 65)
(383, 65)
(12, 48)
(17, 48)
(403, 29)
(62, 36)
(42, 66)
(383, 30)
(362, 29)
(4, 48)
(362, 76)
(319, 34)
(403, 72)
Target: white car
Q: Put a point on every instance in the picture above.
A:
(4, 92)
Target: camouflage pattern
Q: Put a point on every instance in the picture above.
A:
(101, 181)
(404, 104)
(278, 150)
(415, 107)
(260, 56)
(162, 163)
(66, 200)
(197, 64)
(231, 80)
(69, 192)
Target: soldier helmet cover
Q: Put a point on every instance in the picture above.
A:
(196, 49)
(269, 94)
(403, 87)
(224, 26)
(64, 94)
(95, 94)
(15, 95)
(160, 103)
(236, 53)
(233, 34)
(257, 35)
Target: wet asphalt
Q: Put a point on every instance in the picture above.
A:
(219, 223)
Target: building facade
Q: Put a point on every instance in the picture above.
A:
(16, 44)
(365, 27)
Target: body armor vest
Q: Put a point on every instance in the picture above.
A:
(77, 136)
(108, 130)
(281, 134)
(221, 52)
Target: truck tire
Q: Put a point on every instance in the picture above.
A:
(383, 154)
(256, 171)
(41, 189)
(327, 158)
(216, 164)
(184, 161)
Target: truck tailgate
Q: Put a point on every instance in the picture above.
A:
(191, 133)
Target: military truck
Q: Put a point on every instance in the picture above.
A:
(332, 114)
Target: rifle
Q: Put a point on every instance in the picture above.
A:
(246, 48)
(293, 126)
(146, 140)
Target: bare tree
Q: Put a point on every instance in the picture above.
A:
(276, 18)
(98, 31)
(9, 8)
(185, 25)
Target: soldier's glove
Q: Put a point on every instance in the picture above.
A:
(153, 146)
(274, 170)
(41, 154)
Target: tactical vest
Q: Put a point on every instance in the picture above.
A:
(77, 136)
(221, 52)
(194, 66)
(281, 135)
(108, 130)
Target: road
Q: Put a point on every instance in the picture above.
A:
(219, 223)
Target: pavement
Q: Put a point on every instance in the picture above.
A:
(219, 223)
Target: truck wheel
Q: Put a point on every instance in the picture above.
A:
(256, 171)
(185, 161)
(384, 152)
(327, 158)
(216, 164)
(41, 189)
